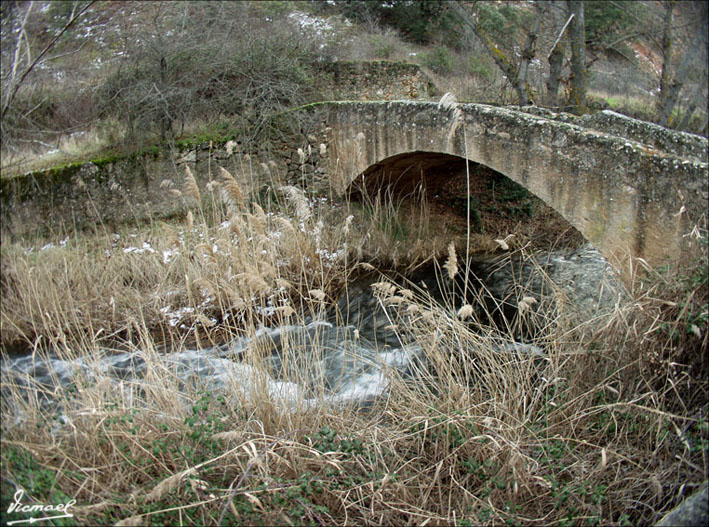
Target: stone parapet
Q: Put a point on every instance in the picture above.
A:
(650, 134)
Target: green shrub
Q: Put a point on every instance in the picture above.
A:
(439, 59)
(499, 21)
(480, 67)
(383, 46)
(606, 20)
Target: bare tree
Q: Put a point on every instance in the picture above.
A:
(665, 76)
(207, 61)
(555, 57)
(672, 81)
(528, 52)
(22, 62)
(577, 34)
(516, 72)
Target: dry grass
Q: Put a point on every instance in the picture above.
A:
(228, 256)
(608, 428)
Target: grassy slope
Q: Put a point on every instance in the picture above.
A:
(473, 79)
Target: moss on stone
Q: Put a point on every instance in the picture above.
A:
(107, 159)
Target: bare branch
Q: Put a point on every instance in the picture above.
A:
(15, 84)
(561, 34)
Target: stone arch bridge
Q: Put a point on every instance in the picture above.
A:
(633, 189)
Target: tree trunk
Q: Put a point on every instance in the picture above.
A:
(705, 124)
(527, 55)
(694, 102)
(507, 66)
(666, 74)
(577, 33)
(502, 61)
(670, 95)
(556, 58)
(165, 120)
(556, 62)
(16, 80)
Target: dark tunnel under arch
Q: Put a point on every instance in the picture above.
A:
(498, 202)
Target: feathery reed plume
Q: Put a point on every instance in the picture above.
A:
(383, 289)
(131, 521)
(190, 188)
(231, 192)
(317, 230)
(365, 266)
(285, 224)
(285, 284)
(317, 294)
(348, 222)
(323, 149)
(465, 312)
(236, 224)
(452, 263)
(168, 485)
(301, 156)
(529, 300)
(449, 103)
(230, 435)
(254, 282)
(285, 311)
(260, 216)
(230, 145)
(526, 303)
(266, 169)
(166, 183)
(205, 321)
(296, 196)
(503, 242)
(205, 287)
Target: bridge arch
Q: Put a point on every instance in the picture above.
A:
(407, 171)
(627, 199)
(497, 202)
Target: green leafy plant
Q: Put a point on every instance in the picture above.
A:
(439, 59)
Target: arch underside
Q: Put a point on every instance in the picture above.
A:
(405, 173)
(498, 203)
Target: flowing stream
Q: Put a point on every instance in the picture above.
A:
(324, 359)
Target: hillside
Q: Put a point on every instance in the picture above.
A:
(125, 73)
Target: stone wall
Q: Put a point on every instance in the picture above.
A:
(84, 194)
(376, 80)
(147, 186)
(129, 189)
